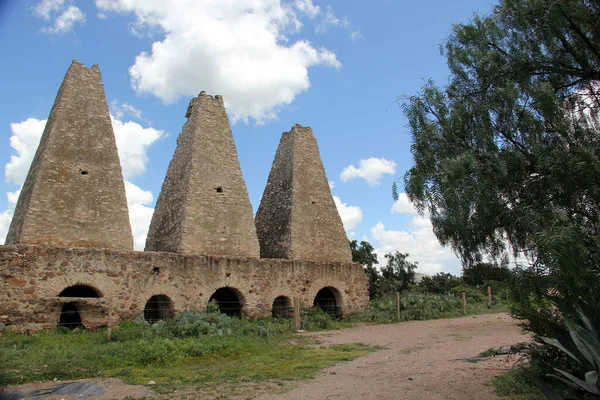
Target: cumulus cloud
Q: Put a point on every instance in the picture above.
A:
(331, 184)
(240, 49)
(418, 241)
(24, 140)
(404, 206)
(120, 110)
(350, 215)
(132, 140)
(371, 170)
(62, 14)
(140, 214)
(307, 7)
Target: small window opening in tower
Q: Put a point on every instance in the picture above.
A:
(83, 172)
(219, 189)
(313, 202)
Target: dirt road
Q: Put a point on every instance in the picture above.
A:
(419, 361)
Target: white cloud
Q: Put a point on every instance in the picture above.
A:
(307, 7)
(132, 140)
(119, 110)
(350, 215)
(140, 214)
(404, 206)
(63, 14)
(237, 48)
(24, 140)
(330, 20)
(47, 7)
(6, 215)
(331, 184)
(420, 243)
(371, 170)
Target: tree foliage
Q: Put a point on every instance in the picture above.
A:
(440, 283)
(478, 273)
(364, 253)
(398, 274)
(507, 155)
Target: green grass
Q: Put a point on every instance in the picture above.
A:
(423, 306)
(514, 385)
(142, 352)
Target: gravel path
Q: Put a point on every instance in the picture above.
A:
(419, 361)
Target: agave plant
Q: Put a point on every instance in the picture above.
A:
(584, 348)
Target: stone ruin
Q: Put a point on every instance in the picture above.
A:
(69, 259)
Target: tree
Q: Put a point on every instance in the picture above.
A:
(364, 253)
(507, 155)
(397, 275)
(478, 273)
(440, 283)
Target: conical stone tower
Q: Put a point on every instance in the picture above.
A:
(74, 194)
(297, 218)
(203, 206)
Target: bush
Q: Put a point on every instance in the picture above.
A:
(474, 295)
(440, 283)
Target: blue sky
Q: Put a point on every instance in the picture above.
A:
(337, 66)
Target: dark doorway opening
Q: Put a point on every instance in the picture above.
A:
(80, 291)
(326, 299)
(282, 307)
(69, 317)
(228, 301)
(159, 307)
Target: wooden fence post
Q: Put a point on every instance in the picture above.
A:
(464, 299)
(398, 306)
(489, 296)
(297, 313)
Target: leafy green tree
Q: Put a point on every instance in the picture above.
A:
(397, 275)
(364, 253)
(440, 283)
(477, 274)
(509, 151)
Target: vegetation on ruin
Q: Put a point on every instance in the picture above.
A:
(194, 348)
(506, 159)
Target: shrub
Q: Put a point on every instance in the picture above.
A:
(474, 295)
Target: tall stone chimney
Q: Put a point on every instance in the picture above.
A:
(297, 217)
(203, 206)
(74, 194)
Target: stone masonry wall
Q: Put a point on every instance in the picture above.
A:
(297, 217)
(31, 277)
(203, 207)
(74, 194)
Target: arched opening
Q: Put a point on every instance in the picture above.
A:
(80, 291)
(282, 307)
(159, 307)
(327, 300)
(229, 301)
(69, 317)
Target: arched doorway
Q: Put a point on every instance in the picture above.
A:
(80, 291)
(282, 307)
(158, 307)
(229, 301)
(69, 317)
(327, 300)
